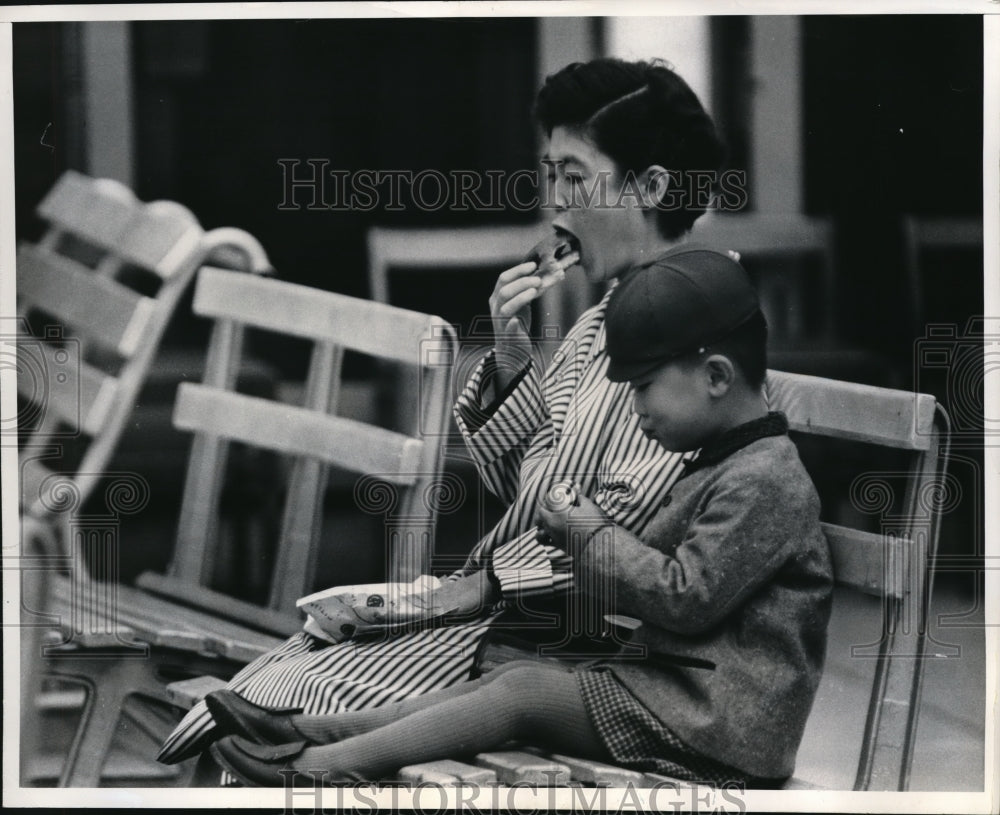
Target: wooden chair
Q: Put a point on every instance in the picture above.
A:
(937, 234)
(217, 414)
(94, 297)
(883, 577)
(461, 249)
(466, 250)
(78, 378)
(780, 238)
(180, 623)
(783, 248)
(755, 236)
(793, 259)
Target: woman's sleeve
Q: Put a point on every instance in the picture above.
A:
(499, 434)
(729, 551)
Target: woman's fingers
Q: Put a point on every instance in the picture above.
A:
(513, 305)
(516, 286)
(515, 272)
(515, 289)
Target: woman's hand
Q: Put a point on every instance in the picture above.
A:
(463, 597)
(571, 527)
(510, 308)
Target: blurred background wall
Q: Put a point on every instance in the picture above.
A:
(862, 120)
(873, 124)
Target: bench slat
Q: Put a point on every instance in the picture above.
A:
(292, 430)
(186, 693)
(98, 307)
(163, 236)
(657, 781)
(224, 605)
(598, 774)
(865, 561)
(319, 315)
(99, 209)
(77, 392)
(457, 772)
(422, 774)
(146, 617)
(843, 410)
(516, 767)
(33, 475)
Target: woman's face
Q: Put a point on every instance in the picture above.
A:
(599, 208)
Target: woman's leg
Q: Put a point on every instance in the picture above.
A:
(529, 703)
(337, 726)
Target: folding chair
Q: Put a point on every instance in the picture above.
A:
(183, 626)
(884, 577)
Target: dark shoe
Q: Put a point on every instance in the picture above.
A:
(258, 765)
(236, 716)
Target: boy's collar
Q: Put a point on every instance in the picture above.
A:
(773, 424)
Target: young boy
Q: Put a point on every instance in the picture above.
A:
(731, 581)
(734, 570)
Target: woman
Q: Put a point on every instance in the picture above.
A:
(623, 142)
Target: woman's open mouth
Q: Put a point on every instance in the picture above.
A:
(569, 244)
(554, 256)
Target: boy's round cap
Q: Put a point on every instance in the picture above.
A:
(688, 297)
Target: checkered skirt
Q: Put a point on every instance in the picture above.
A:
(636, 739)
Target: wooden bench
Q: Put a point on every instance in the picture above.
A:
(178, 625)
(83, 284)
(94, 297)
(869, 698)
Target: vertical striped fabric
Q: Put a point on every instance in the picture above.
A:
(572, 425)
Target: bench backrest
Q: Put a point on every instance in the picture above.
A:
(395, 470)
(892, 563)
(89, 324)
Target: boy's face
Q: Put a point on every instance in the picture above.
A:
(674, 405)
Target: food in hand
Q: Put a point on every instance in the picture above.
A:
(554, 256)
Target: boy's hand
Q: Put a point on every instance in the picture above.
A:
(569, 528)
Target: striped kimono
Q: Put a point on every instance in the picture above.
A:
(572, 426)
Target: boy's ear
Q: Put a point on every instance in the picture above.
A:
(721, 374)
(654, 181)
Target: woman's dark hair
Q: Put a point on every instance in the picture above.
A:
(639, 114)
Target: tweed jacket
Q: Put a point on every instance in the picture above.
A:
(732, 580)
